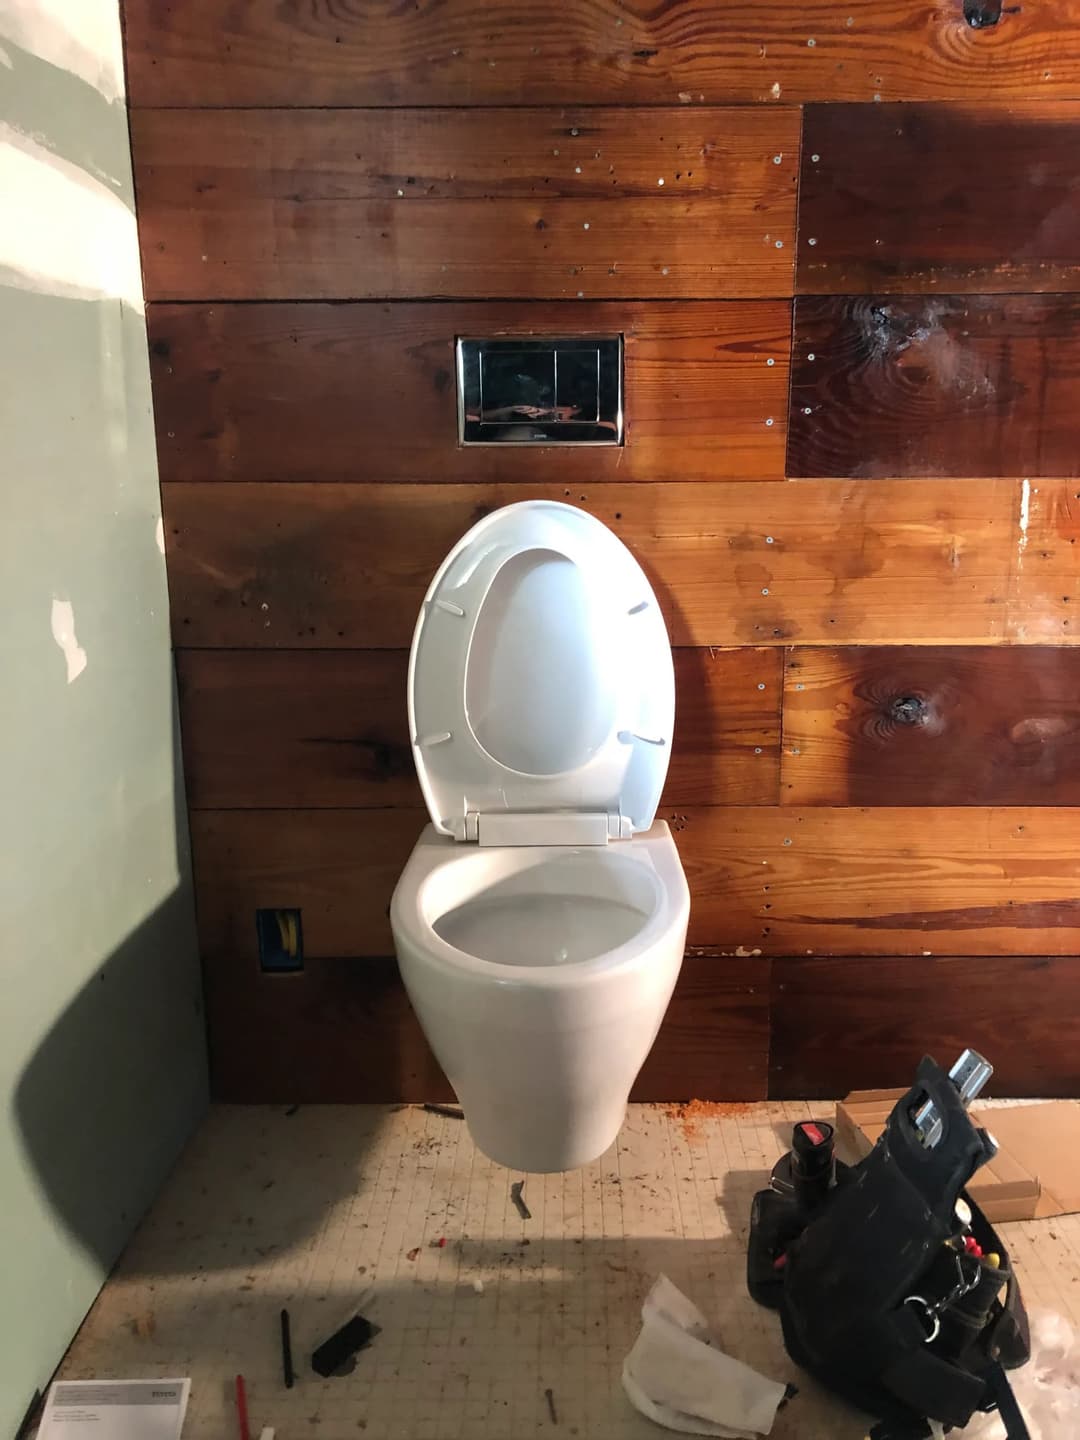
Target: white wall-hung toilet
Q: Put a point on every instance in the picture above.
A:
(541, 919)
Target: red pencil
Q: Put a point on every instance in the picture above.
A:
(241, 1409)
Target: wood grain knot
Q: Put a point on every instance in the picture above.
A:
(908, 710)
(981, 13)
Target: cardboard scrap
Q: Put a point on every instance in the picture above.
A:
(1036, 1173)
(1045, 1140)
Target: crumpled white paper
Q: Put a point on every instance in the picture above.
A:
(677, 1377)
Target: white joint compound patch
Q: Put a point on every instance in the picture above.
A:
(62, 232)
(62, 621)
(79, 36)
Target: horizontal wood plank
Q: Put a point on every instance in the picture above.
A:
(840, 1025)
(344, 392)
(345, 1033)
(898, 562)
(940, 198)
(915, 881)
(338, 867)
(278, 205)
(862, 726)
(327, 729)
(473, 52)
(210, 158)
(763, 880)
(935, 385)
(270, 729)
(955, 726)
(714, 1042)
(469, 249)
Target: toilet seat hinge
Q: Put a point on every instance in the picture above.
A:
(550, 827)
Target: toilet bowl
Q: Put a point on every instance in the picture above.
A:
(541, 919)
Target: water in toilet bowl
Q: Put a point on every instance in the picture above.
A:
(541, 929)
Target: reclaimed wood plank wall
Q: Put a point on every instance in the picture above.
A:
(843, 244)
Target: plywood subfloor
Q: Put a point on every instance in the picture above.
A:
(313, 1208)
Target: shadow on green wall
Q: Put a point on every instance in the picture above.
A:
(110, 1093)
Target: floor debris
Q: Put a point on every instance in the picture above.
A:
(677, 1377)
(351, 1196)
(334, 1355)
(144, 1325)
(549, 1396)
(694, 1113)
(517, 1195)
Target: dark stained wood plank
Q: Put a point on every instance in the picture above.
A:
(839, 1025)
(338, 867)
(273, 729)
(475, 52)
(345, 392)
(957, 726)
(278, 205)
(211, 158)
(714, 1042)
(940, 198)
(734, 564)
(469, 249)
(344, 1032)
(912, 881)
(763, 880)
(935, 385)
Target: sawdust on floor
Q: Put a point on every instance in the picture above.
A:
(692, 1113)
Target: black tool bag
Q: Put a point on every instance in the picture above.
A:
(881, 1296)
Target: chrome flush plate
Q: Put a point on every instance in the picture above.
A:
(529, 390)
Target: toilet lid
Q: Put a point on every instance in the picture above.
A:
(541, 683)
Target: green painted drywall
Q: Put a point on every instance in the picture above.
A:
(102, 1064)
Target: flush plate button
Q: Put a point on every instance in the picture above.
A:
(530, 391)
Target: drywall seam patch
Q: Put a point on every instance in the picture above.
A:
(62, 232)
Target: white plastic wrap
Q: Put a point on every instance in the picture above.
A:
(1047, 1387)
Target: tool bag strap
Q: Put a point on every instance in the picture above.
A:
(998, 1396)
(933, 1386)
(1008, 1410)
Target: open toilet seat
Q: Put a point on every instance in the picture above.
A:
(541, 689)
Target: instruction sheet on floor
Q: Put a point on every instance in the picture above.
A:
(115, 1409)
